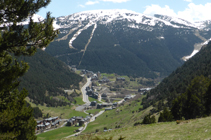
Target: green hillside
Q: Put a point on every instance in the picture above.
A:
(177, 82)
(198, 129)
(117, 48)
(47, 78)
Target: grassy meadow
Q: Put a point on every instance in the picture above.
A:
(79, 100)
(197, 129)
(64, 112)
(94, 111)
(124, 116)
(57, 134)
(93, 99)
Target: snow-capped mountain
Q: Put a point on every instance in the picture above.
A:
(108, 16)
(123, 41)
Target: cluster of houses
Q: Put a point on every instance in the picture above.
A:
(95, 77)
(78, 121)
(90, 92)
(104, 95)
(93, 103)
(110, 105)
(120, 79)
(107, 106)
(90, 73)
(128, 97)
(104, 80)
(47, 123)
(73, 68)
(143, 90)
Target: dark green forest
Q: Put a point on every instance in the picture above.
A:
(177, 83)
(46, 78)
(194, 103)
(117, 48)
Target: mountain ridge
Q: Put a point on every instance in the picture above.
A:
(119, 14)
(101, 40)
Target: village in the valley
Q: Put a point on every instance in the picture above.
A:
(97, 87)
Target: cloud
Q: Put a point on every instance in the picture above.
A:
(91, 2)
(188, 0)
(82, 6)
(88, 3)
(196, 12)
(98, 1)
(116, 1)
(192, 13)
(156, 9)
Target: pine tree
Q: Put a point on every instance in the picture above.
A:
(208, 101)
(16, 119)
(165, 116)
(148, 119)
(177, 107)
(194, 106)
(192, 103)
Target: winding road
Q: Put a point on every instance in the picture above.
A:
(91, 120)
(85, 96)
(83, 90)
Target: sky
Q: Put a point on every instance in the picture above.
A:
(191, 10)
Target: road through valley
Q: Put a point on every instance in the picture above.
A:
(85, 96)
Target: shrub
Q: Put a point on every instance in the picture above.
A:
(137, 123)
(117, 126)
(166, 116)
(149, 119)
(182, 121)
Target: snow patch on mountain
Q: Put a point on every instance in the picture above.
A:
(160, 37)
(203, 24)
(78, 33)
(108, 16)
(195, 51)
(206, 42)
(175, 20)
(190, 56)
(93, 30)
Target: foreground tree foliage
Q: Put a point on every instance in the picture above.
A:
(16, 119)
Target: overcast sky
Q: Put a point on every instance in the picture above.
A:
(191, 10)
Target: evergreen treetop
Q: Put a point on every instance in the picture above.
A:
(16, 119)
